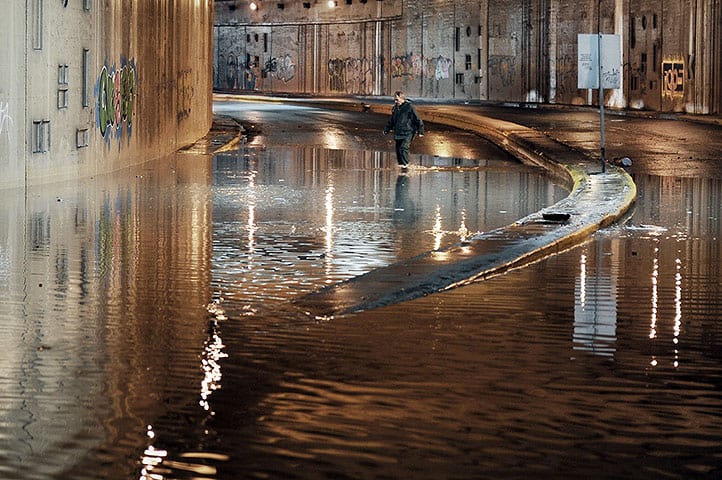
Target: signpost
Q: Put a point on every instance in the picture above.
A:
(599, 65)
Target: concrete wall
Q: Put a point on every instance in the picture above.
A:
(472, 49)
(88, 86)
(12, 91)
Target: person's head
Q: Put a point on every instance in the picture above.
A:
(399, 97)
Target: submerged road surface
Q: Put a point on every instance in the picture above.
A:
(597, 199)
(147, 329)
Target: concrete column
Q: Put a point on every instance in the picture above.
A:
(552, 48)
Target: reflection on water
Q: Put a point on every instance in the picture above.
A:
(146, 331)
(332, 215)
(102, 315)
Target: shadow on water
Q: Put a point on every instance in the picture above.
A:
(146, 332)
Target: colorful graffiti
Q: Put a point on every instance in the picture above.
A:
(116, 91)
(408, 65)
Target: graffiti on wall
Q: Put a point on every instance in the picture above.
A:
(567, 75)
(348, 75)
(6, 121)
(673, 78)
(227, 72)
(281, 68)
(235, 75)
(238, 75)
(441, 66)
(414, 66)
(116, 91)
(408, 65)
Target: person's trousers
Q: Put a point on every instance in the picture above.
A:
(402, 150)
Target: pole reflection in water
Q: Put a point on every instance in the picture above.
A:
(677, 310)
(155, 464)
(251, 226)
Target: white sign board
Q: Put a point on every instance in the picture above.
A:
(588, 60)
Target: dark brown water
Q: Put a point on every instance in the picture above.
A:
(146, 331)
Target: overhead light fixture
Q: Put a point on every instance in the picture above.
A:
(332, 3)
(253, 6)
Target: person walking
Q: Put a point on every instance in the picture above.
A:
(405, 123)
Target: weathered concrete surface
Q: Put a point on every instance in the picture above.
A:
(86, 91)
(488, 50)
(596, 200)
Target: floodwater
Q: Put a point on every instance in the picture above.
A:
(146, 329)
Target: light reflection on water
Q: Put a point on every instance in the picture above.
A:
(333, 215)
(145, 330)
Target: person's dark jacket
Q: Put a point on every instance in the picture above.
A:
(404, 121)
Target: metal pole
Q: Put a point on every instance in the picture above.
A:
(601, 88)
(601, 102)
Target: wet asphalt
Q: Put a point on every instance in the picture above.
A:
(564, 141)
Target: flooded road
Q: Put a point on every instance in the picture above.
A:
(146, 328)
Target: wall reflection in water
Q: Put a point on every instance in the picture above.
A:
(668, 261)
(673, 264)
(103, 286)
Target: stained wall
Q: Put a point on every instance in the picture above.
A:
(472, 50)
(89, 87)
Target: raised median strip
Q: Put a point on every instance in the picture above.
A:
(596, 200)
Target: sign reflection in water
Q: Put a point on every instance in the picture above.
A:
(595, 309)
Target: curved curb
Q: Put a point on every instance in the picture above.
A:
(488, 254)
